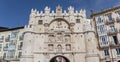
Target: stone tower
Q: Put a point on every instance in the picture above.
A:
(56, 36)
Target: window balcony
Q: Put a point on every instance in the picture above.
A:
(104, 45)
(20, 38)
(108, 58)
(112, 32)
(107, 22)
(114, 44)
(1, 38)
(19, 47)
(7, 39)
(5, 48)
(118, 19)
(1, 41)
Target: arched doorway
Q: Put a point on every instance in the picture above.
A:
(119, 61)
(59, 59)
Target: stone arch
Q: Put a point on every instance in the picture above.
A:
(60, 19)
(118, 60)
(59, 58)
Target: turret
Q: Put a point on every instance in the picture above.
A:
(91, 42)
(33, 13)
(71, 10)
(59, 10)
(47, 10)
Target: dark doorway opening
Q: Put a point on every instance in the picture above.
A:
(115, 39)
(119, 61)
(59, 59)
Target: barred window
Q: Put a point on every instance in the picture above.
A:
(40, 22)
(106, 52)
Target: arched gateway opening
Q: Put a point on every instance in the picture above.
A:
(119, 61)
(59, 59)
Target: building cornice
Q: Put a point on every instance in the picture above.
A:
(105, 11)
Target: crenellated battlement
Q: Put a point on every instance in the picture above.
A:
(59, 12)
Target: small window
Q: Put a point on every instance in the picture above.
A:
(21, 44)
(30, 26)
(77, 20)
(103, 39)
(2, 38)
(40, 22)
(14, 34)
(115, 39)
(19, 55)
(112, 28)
(0, 46)
(4, 55)
(106, 52)
(110, 17)
(118, 51)
(100, 20)
(21, 37)
(118, 14)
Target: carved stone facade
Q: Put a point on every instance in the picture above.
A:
(59, 37)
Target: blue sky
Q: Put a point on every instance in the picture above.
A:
(15, 13)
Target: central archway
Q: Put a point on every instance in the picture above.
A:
(119, 61)
(59, 59)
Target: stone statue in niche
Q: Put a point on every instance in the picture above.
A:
(59, 38)
(59, 47)
(51, 38)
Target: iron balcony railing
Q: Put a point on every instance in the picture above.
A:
(5, 48)
(19, 47)
(7, 39)
(109, 21)
(112, 31)
(113, 44)
(104, 45)
(118, 19)
(2, 38)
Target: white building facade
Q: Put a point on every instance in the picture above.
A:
(107, 23)
(59, 37)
